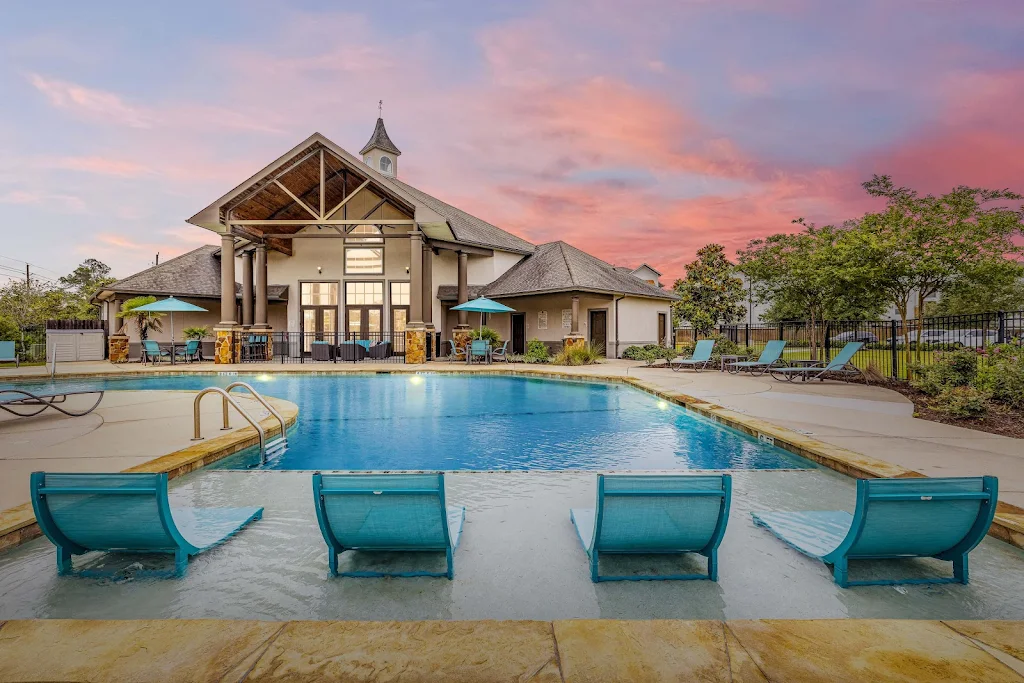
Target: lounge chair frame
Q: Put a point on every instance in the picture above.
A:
(710, 550)
(698, 364)
(759, 367)
(154, 485)
(822, 369)
(839, 558)
(37, 403)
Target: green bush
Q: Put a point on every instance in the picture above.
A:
(196, 332)
(487, 334)
(962, 401)
(633, 353)
(948, 370)
(536, 352)
(578, 354)
(1002, 376)
(651, 353)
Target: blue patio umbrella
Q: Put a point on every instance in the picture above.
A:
(171, 305)
(483, 305)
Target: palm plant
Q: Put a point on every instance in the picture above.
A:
(144, 321)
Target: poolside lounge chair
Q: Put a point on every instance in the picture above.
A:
(386, 512)
(654, 514)
(188, 352)
(500, 354)
(8, 354)
(840, 365)
(127, 512)
(151, 351)
(479, 348)
(26, 404)
(770, 356)
(894, 518)
(700, 358)
(455, 352)
(380, 351)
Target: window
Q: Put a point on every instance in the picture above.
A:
(364, 293)
(385, 165)
(399, 293)
(355, 238)
(319, 293)
(360, 261)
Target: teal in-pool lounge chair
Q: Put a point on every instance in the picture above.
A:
(127, 512)
(386, 512)
(152, 352)
(8, 354)
(655, 514)
(700, 358)
(840, 366)
(770, 356)
(894, 518)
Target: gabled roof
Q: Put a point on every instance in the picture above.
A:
(193, 274)
(648, 267)
(380, 140)
(560, 267)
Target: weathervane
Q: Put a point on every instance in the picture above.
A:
(380, 109)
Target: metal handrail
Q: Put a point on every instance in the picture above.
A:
(227, 399)
(259, 397)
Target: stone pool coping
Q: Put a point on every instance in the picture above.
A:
(18, 524)
(542, 651)
(1008, 525)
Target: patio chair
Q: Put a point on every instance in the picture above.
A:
(386, 512)
(502, 353)
(455, 352)
(151, 351)
(380, 351)
(699, 360)
(894, 518)
(351, 351)
(189, 352)
(321, 350)
(769, 358)
(655, 514)
(479, 348)
(8, 354)
(80, 513)
(840, 365)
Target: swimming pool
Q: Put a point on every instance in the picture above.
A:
(473, 423)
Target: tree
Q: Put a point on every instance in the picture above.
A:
(83, 284)
(144, 321)
(994, 286)
(920, 246)
(710, 293)
(805, 275)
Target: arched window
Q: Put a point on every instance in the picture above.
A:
(364, 234)
(385, 165)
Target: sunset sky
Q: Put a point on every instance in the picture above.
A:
(637, 131)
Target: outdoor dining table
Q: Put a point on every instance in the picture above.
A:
(469, 354)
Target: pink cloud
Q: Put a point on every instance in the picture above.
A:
(89, 102)
(103, 166)
(63, 203)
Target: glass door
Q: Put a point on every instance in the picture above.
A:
(319, 303)
(364, 306)
(399, 314)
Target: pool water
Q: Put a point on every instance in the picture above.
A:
(460, 423)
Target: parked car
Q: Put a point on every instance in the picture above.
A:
(970, 338)
(854, 336)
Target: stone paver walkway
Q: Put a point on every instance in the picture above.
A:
(491, 651)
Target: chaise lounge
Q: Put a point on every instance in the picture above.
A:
(386, 512)
(840, 366)
(699, 360)
(655, 514)
(770, 356)
(8, 353)
(894, 518)
(80, 513)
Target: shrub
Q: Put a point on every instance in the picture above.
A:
(962, 401)
(516, 358)
(578, 354)
(652, 353)
(196, 332)
(633, 353)
(536, 352)
(948, 370)
(1002, 376)
(487, 334)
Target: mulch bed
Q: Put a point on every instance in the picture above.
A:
(1001, 420)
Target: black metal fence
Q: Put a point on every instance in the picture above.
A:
(889, 347)
(321, 347)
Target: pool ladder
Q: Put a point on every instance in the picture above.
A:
(267, 449)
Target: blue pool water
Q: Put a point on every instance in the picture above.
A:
(441, 422)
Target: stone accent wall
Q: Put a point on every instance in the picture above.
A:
(117, 348)
(462, 337)
(569, 342)
(226, 350)
(415, 346)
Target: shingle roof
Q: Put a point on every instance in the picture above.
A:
(468, 228)
(380, 140)
(193, 274)
(451, 292)
(557, 266)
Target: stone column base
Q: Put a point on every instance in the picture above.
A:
(571, 341)
(462, 337)
(117, 348)
(227, 348)
(415, 346)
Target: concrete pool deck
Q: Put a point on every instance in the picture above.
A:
(569, 651)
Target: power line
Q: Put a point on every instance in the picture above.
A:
(49, 270)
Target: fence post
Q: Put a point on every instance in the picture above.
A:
(1001, 334)
(895, 354)
(828, 342)
(746, 335)
(780, 330)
